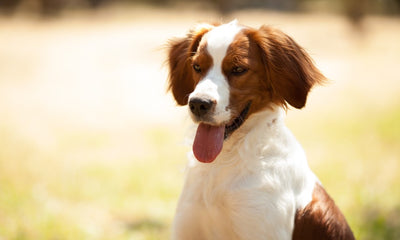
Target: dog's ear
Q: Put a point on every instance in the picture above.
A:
(291, 72)
(181, 82)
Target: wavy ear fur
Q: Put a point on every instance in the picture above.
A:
(181, 82)
(290, 69)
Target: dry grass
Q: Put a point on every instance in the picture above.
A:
(91, 147)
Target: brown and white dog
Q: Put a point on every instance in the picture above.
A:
(251, 179)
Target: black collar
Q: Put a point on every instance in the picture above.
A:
(229, 129)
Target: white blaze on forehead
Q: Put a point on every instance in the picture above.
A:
(219, 39)
(215, 84)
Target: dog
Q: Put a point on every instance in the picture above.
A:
(247, 176)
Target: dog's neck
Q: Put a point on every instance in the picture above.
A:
(258, 130)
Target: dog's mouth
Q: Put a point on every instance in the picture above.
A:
(209, 139)
(237, 122)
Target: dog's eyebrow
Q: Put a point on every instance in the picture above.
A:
(238, 54)
(240, 50)
(239, 58)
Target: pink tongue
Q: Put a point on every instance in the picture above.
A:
(208, 142)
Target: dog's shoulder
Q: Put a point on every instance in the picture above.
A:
(321, 219)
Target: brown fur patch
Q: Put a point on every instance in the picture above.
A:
(279, 71)
(321, 219)
(251, 85)
(289, 68)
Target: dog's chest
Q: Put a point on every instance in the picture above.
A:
(251, 191)
(235, 203)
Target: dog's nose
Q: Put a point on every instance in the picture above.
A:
(200, 106)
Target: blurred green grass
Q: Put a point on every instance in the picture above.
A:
(42, 198)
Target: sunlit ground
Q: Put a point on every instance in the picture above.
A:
(91, 147)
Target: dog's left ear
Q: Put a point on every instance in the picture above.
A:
(291, 72)
(180, 52)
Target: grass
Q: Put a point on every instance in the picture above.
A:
(44, 196)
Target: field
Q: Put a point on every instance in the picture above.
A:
(92, 147)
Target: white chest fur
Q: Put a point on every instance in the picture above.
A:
(253, 188)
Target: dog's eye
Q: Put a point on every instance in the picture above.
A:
(197, 68)
(239, 70)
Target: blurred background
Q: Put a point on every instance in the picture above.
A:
(92, 147)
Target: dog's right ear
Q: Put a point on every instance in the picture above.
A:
(291, 71)
(180, 52)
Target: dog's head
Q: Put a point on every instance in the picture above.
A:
(227, 72)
